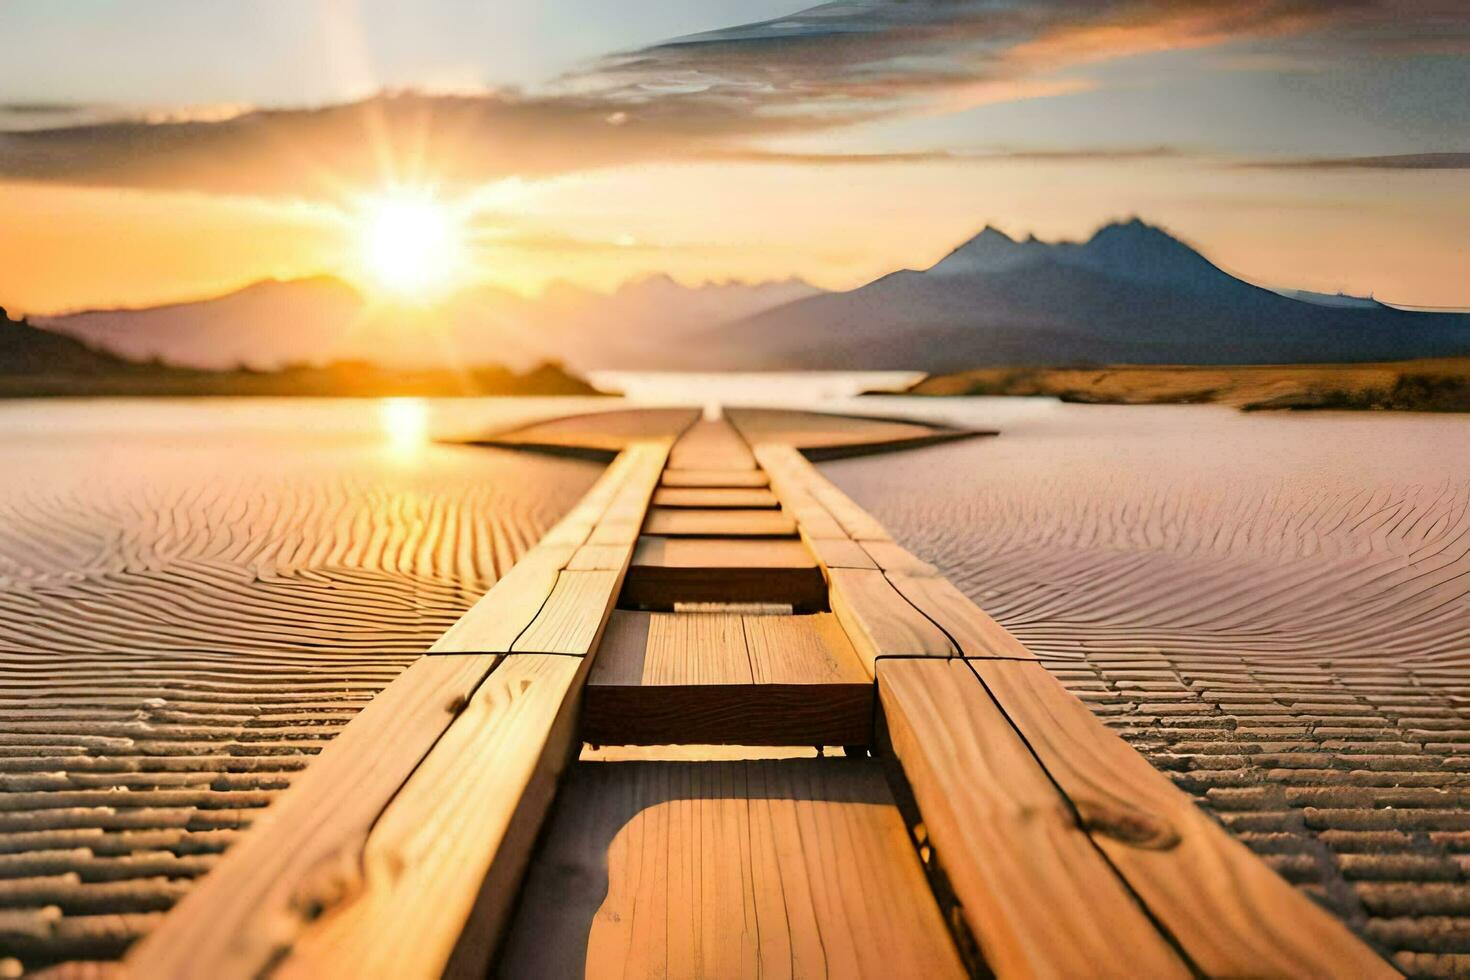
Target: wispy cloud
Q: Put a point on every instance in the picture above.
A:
(1400, 161)
(711, 96)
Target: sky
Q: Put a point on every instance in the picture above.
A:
(158, 151)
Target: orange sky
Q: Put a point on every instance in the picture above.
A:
(68, 248)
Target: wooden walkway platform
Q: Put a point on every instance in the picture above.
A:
(713, 589)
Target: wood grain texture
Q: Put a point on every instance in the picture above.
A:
(726, 679)
(795, 867)
(1230, 913)
(304, 851)
(600, 558)
(714, 478)
(1034, 892)
(512, 604)
(801, 650)
(442, 865)
(572, 618)
(714, 497)
(667, 571)
(976, 634)
(879, 621)
(718, 523)
(653, 649)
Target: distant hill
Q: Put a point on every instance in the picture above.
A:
(1130, 294)
(35, 362)
(273, 324)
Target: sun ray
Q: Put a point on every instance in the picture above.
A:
(413, 247)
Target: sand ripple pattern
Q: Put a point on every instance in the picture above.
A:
(338, 561)
(180, 634)
(1278, 617)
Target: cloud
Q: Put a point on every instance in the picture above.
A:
(1401, 161)
(711, 96)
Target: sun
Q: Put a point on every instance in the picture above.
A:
(413, 246)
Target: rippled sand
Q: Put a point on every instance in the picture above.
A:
(239, 529)
(194, 598)
(1274, 608)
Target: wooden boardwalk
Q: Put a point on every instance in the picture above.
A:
(713, 589)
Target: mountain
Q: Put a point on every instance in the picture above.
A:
(1132, 293)
(274, 324)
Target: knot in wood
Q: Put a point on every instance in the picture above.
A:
(1128, 825)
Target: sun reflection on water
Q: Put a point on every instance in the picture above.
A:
(405, 425)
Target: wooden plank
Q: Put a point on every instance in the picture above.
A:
(976, 634)
(512, 604)
(839, 552)
(302, 852)
(797, 867)
(718, 523)
(667, 571)
(714, 478)
(858, 523)
(724, 679)
(493, 624)
(600, 557)
(657, 649)
(1032, 890)
(1230, 913)
(714, 497)
(442, 866)
(572, 618)
(880, 622)
(894, 558)
(801, 650)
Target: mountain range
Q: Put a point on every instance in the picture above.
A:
(274, 324)
(1132, 293)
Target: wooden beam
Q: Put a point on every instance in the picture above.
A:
(726, 679)
(974, 632)
(708, 497)
(718, 523)
(667, 571)
(442, 866)
(574, 614)
(1230, 913)
(839, 553)
(879, 620)
(714, 478)
(303, 852)
(796, 867)
(1034, 893)
(896, 559)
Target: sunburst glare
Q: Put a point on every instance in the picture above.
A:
(414, 246)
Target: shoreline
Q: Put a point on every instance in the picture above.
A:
(1430, 385)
